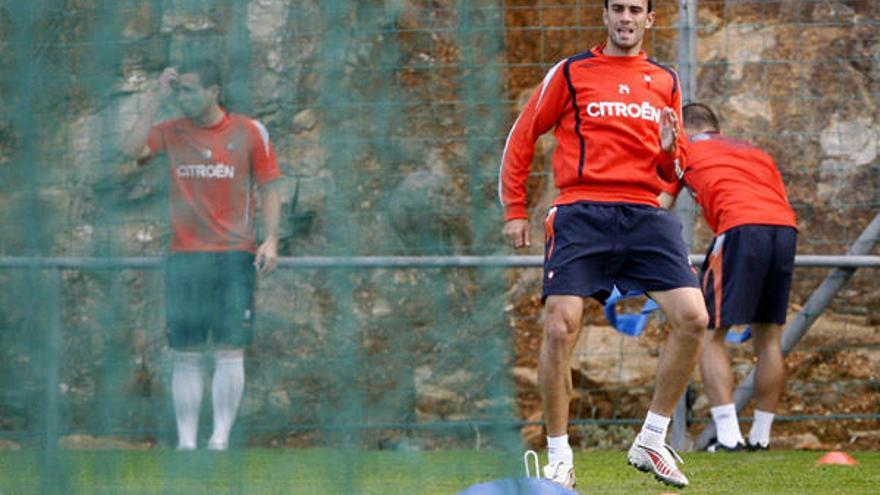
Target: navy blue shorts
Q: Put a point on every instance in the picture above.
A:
(746, 277)
(590, 247)
(209, 294)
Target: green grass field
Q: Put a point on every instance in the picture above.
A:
(319, 472)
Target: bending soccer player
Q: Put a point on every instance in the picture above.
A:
(215, 157)
(747, 273)
(614, 113)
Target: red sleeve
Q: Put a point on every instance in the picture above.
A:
(155, 142)
(156, 139)
(541, 113)
(263, 161)
(671, 165)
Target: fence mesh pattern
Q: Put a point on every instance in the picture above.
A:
(388, 118)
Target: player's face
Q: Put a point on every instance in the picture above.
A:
(194, 99)
(626, 21)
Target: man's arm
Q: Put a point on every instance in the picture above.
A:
(671, 165)
(541, 113)
(134, 144)
(673, 142)
(267, 253)
(265, 170)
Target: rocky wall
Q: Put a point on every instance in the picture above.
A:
(385, 122)
(797, 79)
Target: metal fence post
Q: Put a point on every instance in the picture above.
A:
(687, 72)
(54, 479)
(685, 208)
(797, 328)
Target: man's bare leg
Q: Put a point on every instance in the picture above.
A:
(563, 322)
(769, 380)
(686, 312)
(718, 383)
(715, 368)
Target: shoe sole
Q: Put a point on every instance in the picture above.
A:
(657, 477)
(560, 483)
(563, 485)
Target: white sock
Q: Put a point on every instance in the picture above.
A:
(226, 391)
(186, 391)
(726, 425)
(559, 450)
(760, 432)
(654, 429)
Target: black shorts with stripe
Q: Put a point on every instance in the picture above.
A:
(209, 295)
(746, 277)
(591, 246)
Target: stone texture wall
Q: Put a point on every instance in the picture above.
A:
(797, 79)
(387, 135)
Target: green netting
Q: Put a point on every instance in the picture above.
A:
(389, 118)
(386, 119)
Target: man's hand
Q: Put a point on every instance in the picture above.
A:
(666, 200)
(668, 130)
(267, 256)
(134, 144)
(517, 232)
(167, 80)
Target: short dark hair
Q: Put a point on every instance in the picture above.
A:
(699, 115)
(208, 71)
(650, 5)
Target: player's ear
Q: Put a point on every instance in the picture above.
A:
(650, 20)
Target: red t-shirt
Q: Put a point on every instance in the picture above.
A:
(605, 112)
(213, 175)
(735, 183)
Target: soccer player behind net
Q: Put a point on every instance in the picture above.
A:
(747, 273)
(215, 157)
(614, 113)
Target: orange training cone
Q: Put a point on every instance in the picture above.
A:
(837, 457)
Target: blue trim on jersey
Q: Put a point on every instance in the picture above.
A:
(671, 73)
(577, 113)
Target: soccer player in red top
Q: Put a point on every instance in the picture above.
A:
(216, 159)
(747, 274)
(614, 113)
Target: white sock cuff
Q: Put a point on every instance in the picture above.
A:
(763, 415)
(560, 442)
(654, 428)
(229, 356)
(188, 360)
(760, 432)
(724, 411)
(657, 423)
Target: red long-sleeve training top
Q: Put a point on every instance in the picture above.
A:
(605, 112)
